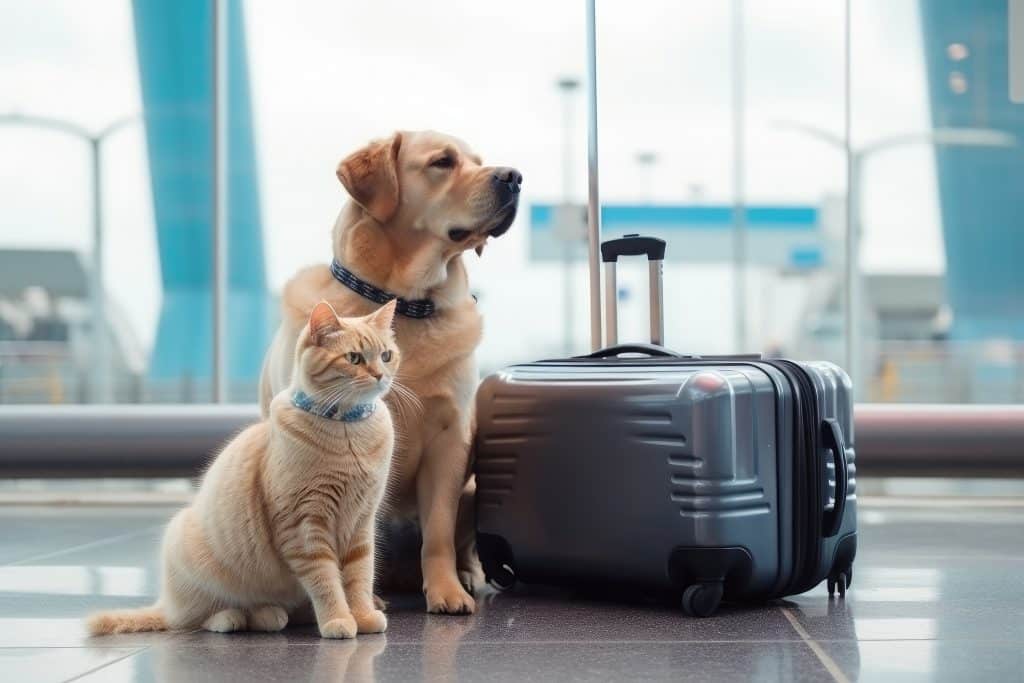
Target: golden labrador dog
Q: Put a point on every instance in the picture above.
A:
(419, 200)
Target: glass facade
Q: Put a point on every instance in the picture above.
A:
(753, 136)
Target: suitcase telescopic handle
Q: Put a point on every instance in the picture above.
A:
(832, 438)
(634, 245)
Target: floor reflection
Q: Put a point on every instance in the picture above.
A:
(76, 580)
(936, 596)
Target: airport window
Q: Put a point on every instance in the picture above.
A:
(731, 144)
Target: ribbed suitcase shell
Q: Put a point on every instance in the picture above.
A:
(660, 472)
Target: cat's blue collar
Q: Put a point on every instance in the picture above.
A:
(356, 413)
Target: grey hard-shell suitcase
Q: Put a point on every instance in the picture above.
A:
(707, 477)
(711, 477)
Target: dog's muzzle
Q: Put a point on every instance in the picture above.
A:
(508, 215)
(507, 184)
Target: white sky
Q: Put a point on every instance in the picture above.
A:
(327, 76)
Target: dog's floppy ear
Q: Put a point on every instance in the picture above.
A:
(371, 177)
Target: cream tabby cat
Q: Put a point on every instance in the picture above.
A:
(284, 517)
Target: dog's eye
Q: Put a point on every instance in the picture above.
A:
(447, 161)
(458, 234)
(355, 358)
(386, 356)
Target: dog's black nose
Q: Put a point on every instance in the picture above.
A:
(508, 178)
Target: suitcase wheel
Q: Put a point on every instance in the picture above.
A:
(702, 599)
(501, 578)
(840, 581)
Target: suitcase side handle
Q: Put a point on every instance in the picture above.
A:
(646, 349)
(832, 438)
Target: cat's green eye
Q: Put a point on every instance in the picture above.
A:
(355, 358)
(386, 356)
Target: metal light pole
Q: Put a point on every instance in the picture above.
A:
(947, 137)
(646, 160)
(568, 87)
(99, 384)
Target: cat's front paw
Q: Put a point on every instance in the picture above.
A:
(372, 621)
(267, 618)
(343, 627)
(449, 597)
(226, 621)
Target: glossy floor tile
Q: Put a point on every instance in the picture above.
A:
(937, 595)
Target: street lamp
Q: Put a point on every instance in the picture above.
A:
(567, 86)
(99, 385)
(946, 137)
(646, 160)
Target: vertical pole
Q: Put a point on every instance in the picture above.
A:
(852, 275)
(220, 196)
(100, 384)
(567, 86)
(738, 170)
(593, 198)
(852, 215)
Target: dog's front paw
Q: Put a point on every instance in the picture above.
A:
(373, 621)
(471, 575)
(449, 598)
(343, 627)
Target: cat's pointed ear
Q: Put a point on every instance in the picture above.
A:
(382, 318)
(322, 322)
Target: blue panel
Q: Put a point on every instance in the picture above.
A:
(980, 189)
(173, 42)
(680, 217)
(806, 257)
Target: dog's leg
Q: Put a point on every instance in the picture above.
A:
(471, 574)
(439, 484)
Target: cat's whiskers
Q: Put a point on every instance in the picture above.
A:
(405, 401)
(330, 389)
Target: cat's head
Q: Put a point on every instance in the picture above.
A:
(347, 360)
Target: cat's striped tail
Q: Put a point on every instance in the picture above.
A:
(127, 621)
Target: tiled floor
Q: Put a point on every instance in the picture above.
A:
(938, 596)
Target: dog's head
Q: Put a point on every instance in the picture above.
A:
(434, 185)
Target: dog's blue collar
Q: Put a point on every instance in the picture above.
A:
(418, 308)
(356, 413)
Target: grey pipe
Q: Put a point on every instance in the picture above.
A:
(116, 441)
(178, 440)
(940, 440)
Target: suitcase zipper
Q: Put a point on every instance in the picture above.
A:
(807, 468)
